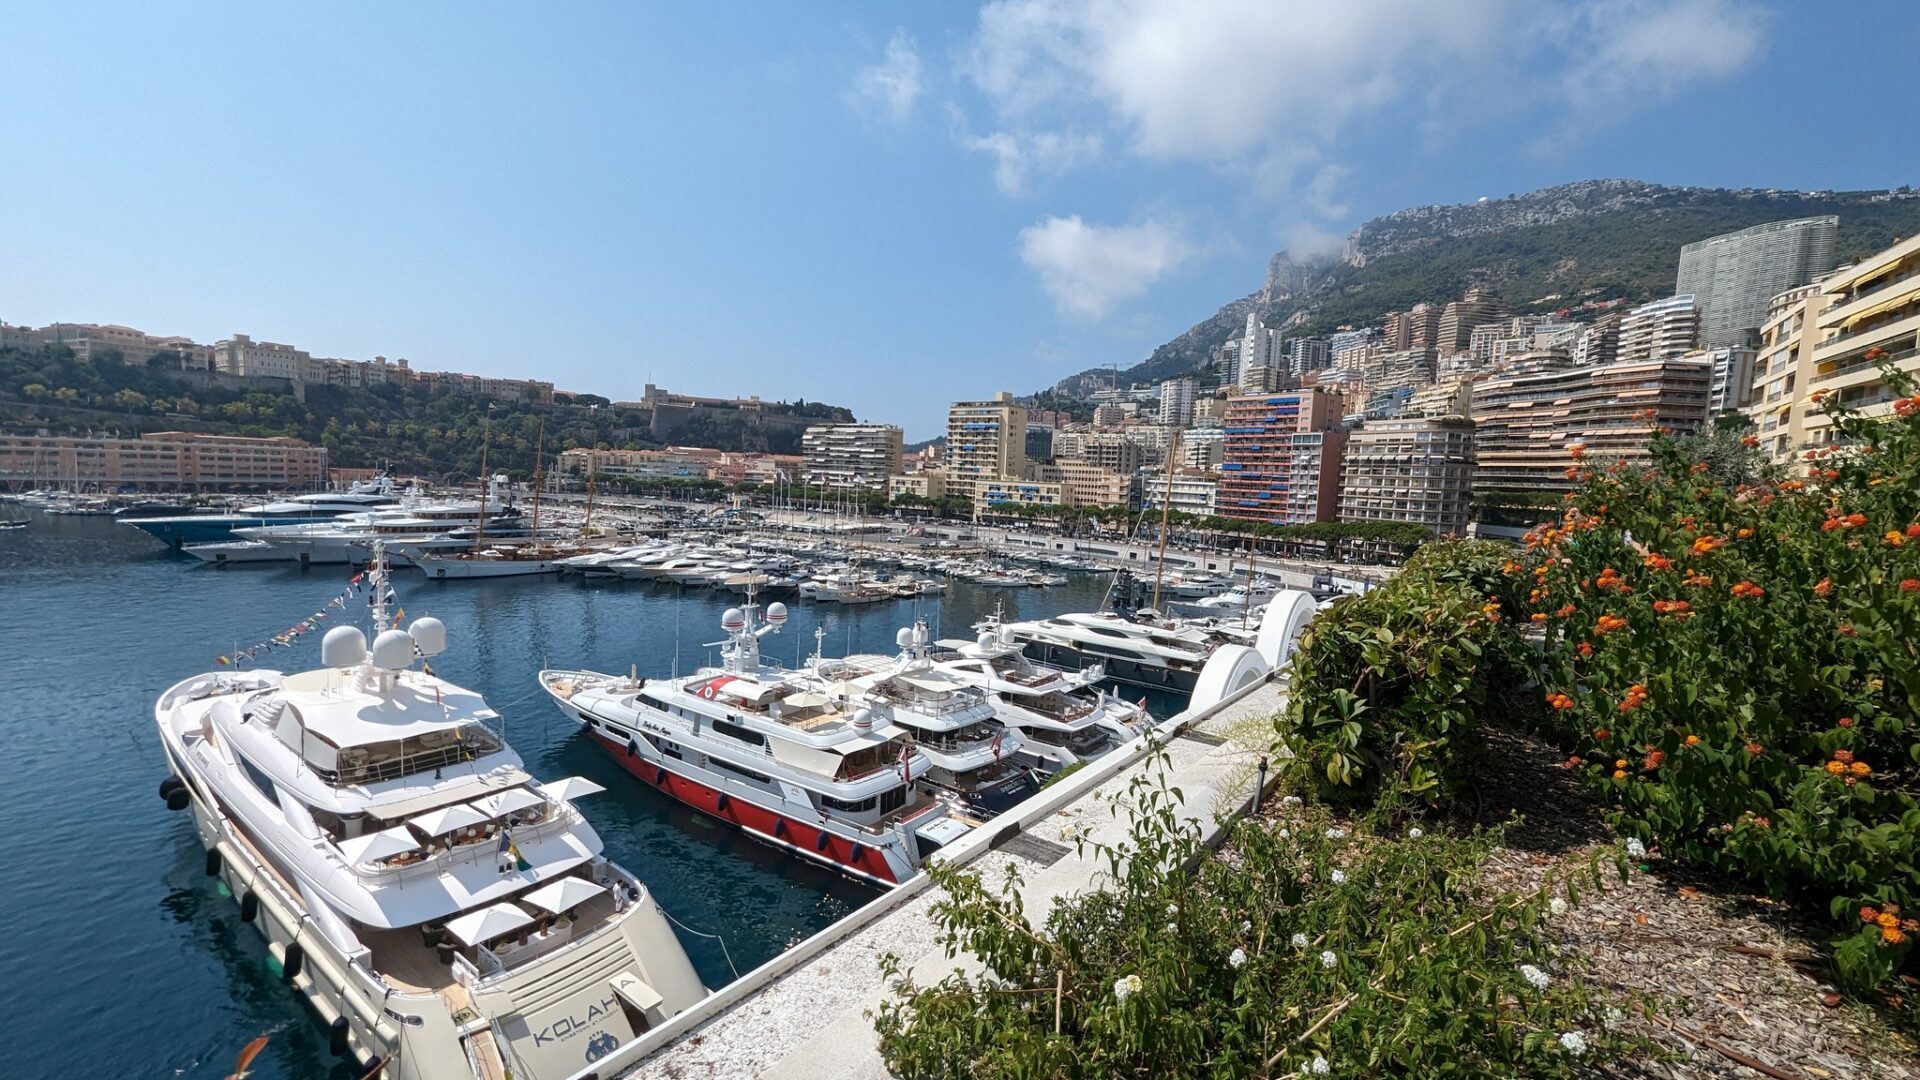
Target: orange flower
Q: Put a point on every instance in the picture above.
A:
(1824, 587)
(1658, 561)
(1910, 584)
(1748, 589)
(1655, 760)
(1834, 768)
(1619, 774)
(1560, 701)
(1855, 520)
(1843, 756)
(1586, 650)
(1846, 629)
(1693, 740)
(1539, 618)
(1704, 545)
(1564, 611)
(1572, 762)
(1869, 914)
(1886, 918)
(1744, 533)
(1895, 539)
(1577, 451)
(1793, 485)
(1860, 768)
(1913, 531)
(1607, 624)
(1620, 763)
(1845, 721)
(1602, 735)
(1749, 440)
(1696, 578)
(1891, 935)
(1756, 749)
(1573, 472)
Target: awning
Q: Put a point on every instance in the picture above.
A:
(806, 699)
(508, 802)
(1900, 298)
(489, 922)
(374, 846)
(448, 819)
(746, 689)
(571, 788)
(562, 894)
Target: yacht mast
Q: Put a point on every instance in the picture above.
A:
(539, 449)
(1166, 508)
(486, 439)
(593, 466)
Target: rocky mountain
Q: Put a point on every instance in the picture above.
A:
(1545, 250)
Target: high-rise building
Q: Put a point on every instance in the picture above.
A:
(1413, 470)
(1108, 415)
(1262, 358)
(1870, 316)
(986, 441)
(1663, 328)
(1109, 450)
(1307, 354)
(1423, 326)
(1188, 492)
(1086, 484)
(1396, 331)
(1202, 448)
(1783, 371)
(1732, 385)
(1735, 275)
(1479, 307)
(1527, 418)
(1344, 346)
(1209, 410)
(1599, 341)
(1176, 400)
(1257, 481)
(851, 456)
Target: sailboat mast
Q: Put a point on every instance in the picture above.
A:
(539, 450)
(593, 466)
(1166, 508)
(486, 440)
(1246, 606)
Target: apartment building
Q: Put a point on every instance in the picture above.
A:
(1008, 494)
(93, 341)
(1259, 480)
(1783, 372)
(1732, 386)
(1189, 491)
(986, 441)
(1870, 315)
(1413, 470)
(851, 456)
(925, 484)
(1461, 317)
(1736, 275)
(1112, 451)
(1525, 420)
(163, 461)
(672, 463)
(1667, 327)
(241, 355)
(1086, 484)
(1598, 343)
(1176, 400)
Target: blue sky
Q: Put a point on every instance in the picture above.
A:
(888, 206)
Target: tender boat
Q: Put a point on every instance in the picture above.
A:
(762, 748)
(450, 916)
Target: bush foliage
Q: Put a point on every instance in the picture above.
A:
(1387, 686)
(1273, 957)
(1732, 664)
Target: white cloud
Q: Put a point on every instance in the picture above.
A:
(1089, 269)
(892, 86)
(1643, 51)
(1020, 156)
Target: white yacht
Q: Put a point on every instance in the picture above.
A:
(977, 760)
(817, 774)
(1235, 600)
(451, 917)
(1062, 716)
(1131, 652)
(321, 506)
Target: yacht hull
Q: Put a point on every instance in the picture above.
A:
(1118, 669)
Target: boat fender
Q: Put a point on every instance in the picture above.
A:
(249, 906)
(177, 798)
(720, 804)
(820, 842)
(170, 785)
(659, 777)
(213, 862)
(633, 748)
(296, 958)
(337, 1035)
(854, 852)
(779, 828)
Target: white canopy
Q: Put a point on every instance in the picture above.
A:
(571, 788)
(374, 846)
(489, 922)
(447, 819)
(507, 802)
(561, 894)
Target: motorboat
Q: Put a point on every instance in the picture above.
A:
(976, 758)
(320, 506)
(1063, 716)
(1140, 653)
(763, 748)
(448, 914)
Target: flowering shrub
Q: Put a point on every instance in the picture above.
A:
(1274, 956)
(1387, 684)
(1733, 666)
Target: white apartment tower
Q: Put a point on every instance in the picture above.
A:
(1664, 328)
(1735, 275)
(986, 443)
(851, 456)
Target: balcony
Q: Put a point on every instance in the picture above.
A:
(1874, 334)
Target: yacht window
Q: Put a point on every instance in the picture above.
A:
(735, 731)
(260, 780)
(893, 800)
(739, 770)
(845, 807)
(652, 702)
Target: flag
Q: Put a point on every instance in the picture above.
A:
(355, 579)
(520, 862)
(399, 615)
(223, 661)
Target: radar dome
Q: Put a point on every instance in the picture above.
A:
(776, 613)
(863, 720)
(430, 634)
(393, 650)
(733, 619)
(985, 640)
(904, 638)
(343, 647)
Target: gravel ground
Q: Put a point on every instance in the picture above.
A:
(1745, 974)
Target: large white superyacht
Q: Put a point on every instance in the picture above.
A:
(449, 916)
(815, 773)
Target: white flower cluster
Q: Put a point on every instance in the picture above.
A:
(1124, 987)
(1317, 1067)
(1540, 979)
(1238, 959)
(1336, 833)
(1339, 877)
(1415, 833)
(1636, 849)
(1575, 1042)
(1327, 959)
(1557, 906)
(1246, 925)
(1290, 802)
(1299, 941)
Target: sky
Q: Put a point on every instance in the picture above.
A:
(888, 206)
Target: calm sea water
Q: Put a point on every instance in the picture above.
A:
(117, 956)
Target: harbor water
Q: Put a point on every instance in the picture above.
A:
(122, 959)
